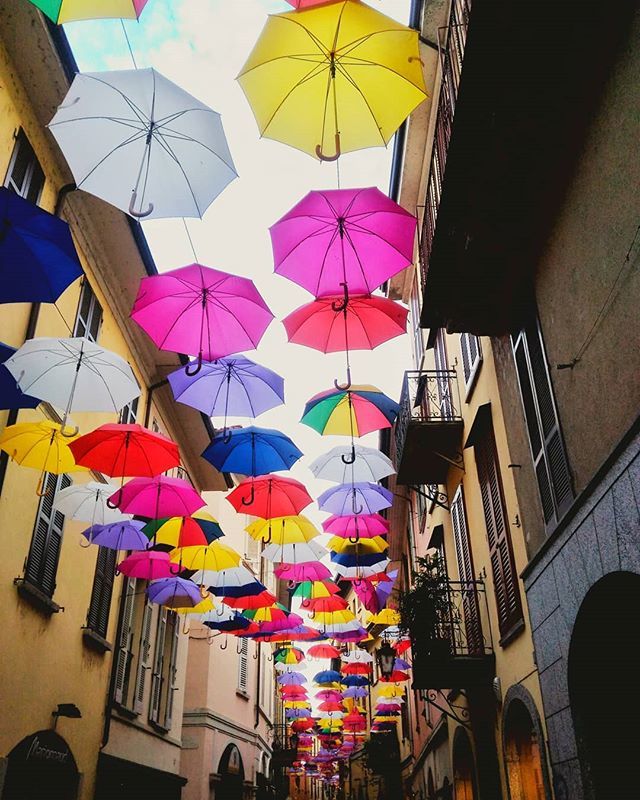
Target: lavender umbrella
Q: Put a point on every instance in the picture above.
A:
(123, 535)
(356, 691)
(350, 499)
(291, 679)
(174, 593)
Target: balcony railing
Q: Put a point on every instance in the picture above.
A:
(451, 56)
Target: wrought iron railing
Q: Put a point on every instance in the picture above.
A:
(452, 45)
(464, 619)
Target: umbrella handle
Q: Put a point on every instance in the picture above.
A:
(74, 432)
(354, 507)
(354, 539)
(341, 305)
(268, 539)
(41, 490)
(255, 654)
(226, 643)
(132, 207)
(306, 602)
(238, 651)
(175, 571)
(204, 592)
(252, 496)
(349, 459)
(114, 505)
(346, 386)
(323, 157)
(185, 626)
(197, 369)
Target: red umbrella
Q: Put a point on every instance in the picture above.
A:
(303, 724)
(270, 496)
(293, 691)
(262, 600)
(125, 451)
(396, 677)
(355, 669)
(333, 603)
(330, 705)
(323, 651)
(402, 646)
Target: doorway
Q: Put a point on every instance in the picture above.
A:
(464, 770)
(523, 755)
(41, 765)
(231, 775)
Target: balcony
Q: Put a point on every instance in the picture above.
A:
(452, 647)
(429, 427)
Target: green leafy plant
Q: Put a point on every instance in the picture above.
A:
(425, 609)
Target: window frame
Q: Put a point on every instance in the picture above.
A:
(242, 686)
(471, 373)
(33, 170)
(95, 310)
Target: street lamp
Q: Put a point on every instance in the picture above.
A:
(386, 658)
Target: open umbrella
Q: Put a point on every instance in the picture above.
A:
(235, 581)
(296, 572)
(148, 565)
(323, 651)
(375, 544)
(252, 451)
(283, 530)
(325, 604)
(87, 502)
(358, 656)
(156, 497)
(38, 259)
(171, 532)
(356, 691)
(202, 311)
(273, 619)
(124, 535)
(354, 411)
(212, 558)
(263, 599)
(355, 498)
(309, 590)
(349, 571)
(270, 496)
(291, 679)
(294, 553)
(336, 237)
(143, 144)
(333, 79)
(356, 462)
(11, 396)
(62, 11)
(357, 526)
(326, 676)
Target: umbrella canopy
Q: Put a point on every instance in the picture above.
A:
(326, 676)
(62, 11)
(294, 553)
(143, 144)
(73, 374)
(306, 3)
(249, 601)
(126, 450)
(157, 497)
(87, 502)
(231, 386)
(350, 412)
(357, 526)
(310, 590)
(124, 535)
(291, 679)
(252, 451)
(352, 463)
(388, 616)
(325, 604)
(38, 259)
(274, 618)
(323, 651)
(11, 396)
(358, 572)
(149, 565)
(203, 311)
(356, 691)
(232, 582)
(283, 530)
(357, 237)
(40, 445)
(169, 533)
(355, 498)
(355, 680)
(302, 571)
(270, 496)
(362, 547)
(358, 656)
(213, 558)
(356, 560)
(174, 593)
(355, 669)
(333, 79)
(293, 691)
(288, 655)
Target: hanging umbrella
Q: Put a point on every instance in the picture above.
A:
(355, 498)
(383, 589)
(252, 451)
(270, 496)
(292, 691)
(355, 669)
(358, 572)
(350, 412)
(388, 616)
(122, 450)
(61, 11)
(358, 656)
(323, 651)
(232, 582)
(362, 547)
(352, 463)
(358, 238)
(390, 691)
(203, 311)
(310, 590)
(87, 502)
(330, 705)
(294, 553)
(232, 386)
(354, 680)
(355, 561)
(74, 375)
(397, 676)
(196, 611)
(148, 565)
(283, 530)
(215, 557)
(291, 679)
(171, 532)
(228, 621)
(143, 144)
(11, 396)
(250, 601)
(38, 259)
(326, 676)
(401, 664)
(325, 604)
(356, 527)
(366, 592)
(157, 497)
(325, 619)
(124, 535)
(274, 618)
(288, 655)
(333, 79)
(174, 593)
(356, 691)
(302, 571)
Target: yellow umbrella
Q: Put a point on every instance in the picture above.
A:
(333, 617)
(70, 10)
(362, 547)
(202, 608)
(333, 79)
(388, 616)
(327, 722)
(40, 445)
(390, 690)
(213, 558)
(296, 704)
(283, 530)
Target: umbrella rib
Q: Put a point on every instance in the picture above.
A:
(182, 137)
(369, 232)
(348, 77)
(108, 155)
(309, 76)
(136, 110)
(365, 62)
(127, 123)
(165, 145)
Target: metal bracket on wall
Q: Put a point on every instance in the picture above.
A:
(457, 461)
(438, 699)
(433, 495)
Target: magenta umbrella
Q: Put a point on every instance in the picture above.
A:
(353, 237)
(157, 497)
(203, 311)
(304, 571)
(363, 526)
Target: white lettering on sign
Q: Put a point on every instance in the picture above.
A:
(45, 753)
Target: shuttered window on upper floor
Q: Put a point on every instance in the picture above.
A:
(100, 603)
(545, 437)
(46, 541)
(243, 666)
(129, 413)
(471, 359)
(89, 314)
(464, 557)
(124, 654)
(24, 175)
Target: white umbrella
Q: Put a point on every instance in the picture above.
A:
(73, 374)
(87, 502)
(298, 553)
(360, 572)
(143, 144)
(234, 577)
(358, 656)
(352, 463)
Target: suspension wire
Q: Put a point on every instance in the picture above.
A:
(193, 249)
(63, 318)
(338, 171)
(126, 36)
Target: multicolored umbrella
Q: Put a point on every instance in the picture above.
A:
(294, 553)
(283, 530)
(350, 499)
(360, 571)
(252, 451)
(354, 462)
(157, 497)
(362, 547)
(355, 411)
(124, 535)
(148, 565)
(309, 590)
(358, 656)
(198, 530)
(288, 655)
(273, 619)
(333, 79)
(38, 259)
(232, 582)
(203, 311)
(174, 593)
(61, 11)
(270, 496)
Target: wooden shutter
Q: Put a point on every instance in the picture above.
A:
(46, 541)
(243, 666)
(466, 571)
(505, 579)
(100, 604)
(144, 651)
(123, 659)
(158, 663)
(172, 671)
(471, 357)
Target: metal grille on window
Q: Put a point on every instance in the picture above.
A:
(471, 357)
(100, 604)
(46, 541)
(173, 636)
(243, 666)
(25, 175)
(89, 315)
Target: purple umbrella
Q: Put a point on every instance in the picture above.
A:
(356, 691)
(357, 237)
(350, 499)
(384, 588)
(291, 679)
(296, 713)
(174, 593)
(234, 386)
(202, 311)
(124, 535)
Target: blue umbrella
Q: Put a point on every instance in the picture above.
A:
(327, 676)
(252, 451)
(10, 394)
(250, 589)
(234, 623)
(38, 259)
(364, 560)
(354, 680)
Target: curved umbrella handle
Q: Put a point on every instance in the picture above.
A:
(197, 369)
(291, 584)
(354, 506)
(238, 651)
(204, 592)
(175, 571)
(341, 305)
(111, 504)
(185, 626)
(323, 157)
(270, 657)
(268, 539)
(344, 387)
(355, 539)
(351, 458)
(74, 432)
(306, 602)
(255, 655)
(132, 207)
(252, 496)
(226, 643)
(41, 488)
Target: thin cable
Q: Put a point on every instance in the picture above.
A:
(126, 36)
(63, 319)
(338, 171)
(193, 249)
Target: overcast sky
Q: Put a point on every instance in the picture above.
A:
(201, 45)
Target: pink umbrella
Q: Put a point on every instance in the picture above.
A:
(305, 571)
(148, 565)
(366, 592)
(353, 237)
(363, 526)
(157, 497)
(203, 311)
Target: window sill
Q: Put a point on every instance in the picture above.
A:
(514, 631)
(36, 597)
(241, 693)
(94, 641)
(123, 711)
(161, 729)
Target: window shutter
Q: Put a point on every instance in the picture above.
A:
(173, 670)
(505, 580)
(46, 540)
(143, 657)
(158, 662)
(243, 666)
(471, 357)
(100, 605)
(123, 662)
(464, 556)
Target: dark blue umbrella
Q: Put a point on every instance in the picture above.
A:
(250, 589)
(234, 623)
(327, 676)
(38, 259)
(354, 680)
(252, 451)
(10, 394)
(364, 560)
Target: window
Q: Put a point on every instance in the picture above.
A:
(129, 413)
(164, 668)
(243, 666)
(100, 604)
(158, 666)
(418, 341)
(471, 359)
(172, 639)
(46, 540)
(124, 655)
(466, 572)
(89, 315)
(144, 653)
(545, 437)
(505, 579)
(25, 175)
